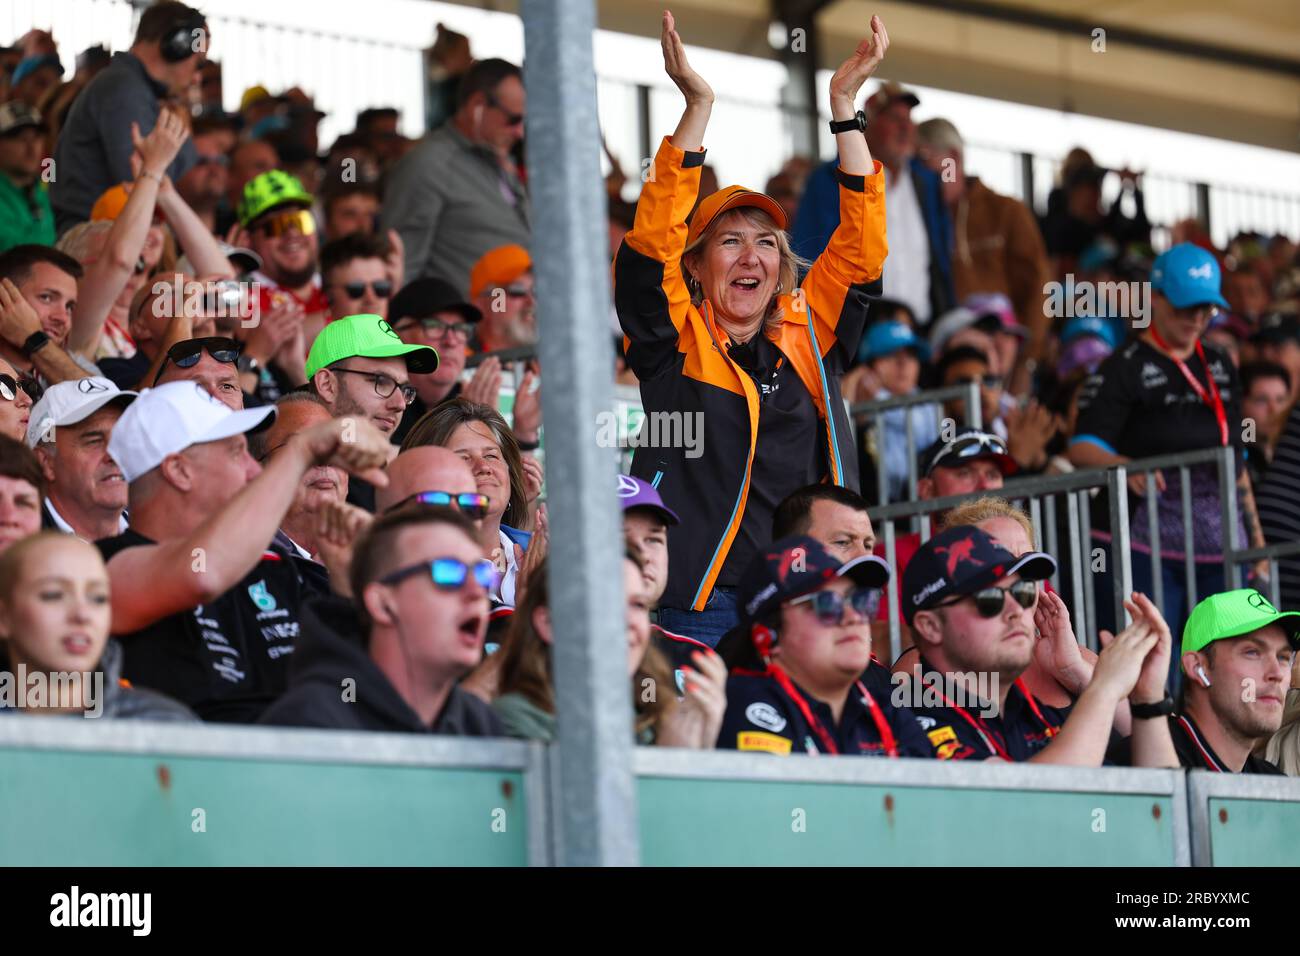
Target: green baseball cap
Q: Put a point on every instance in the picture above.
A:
(1233, 614)
(267, 190)
(367, 336)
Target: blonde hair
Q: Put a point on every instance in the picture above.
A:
(787, 279)
(83, 239)
(982, 509)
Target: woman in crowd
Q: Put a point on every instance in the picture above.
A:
(15, 403)
(526, 704)
(724, 339)
(478, 434)
(54, 618)
(22, 486)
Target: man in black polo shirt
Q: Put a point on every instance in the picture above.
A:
(1237, 655)
(807, 618)
(970, 604)
(206, 611)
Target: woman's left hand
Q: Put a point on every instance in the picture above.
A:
(853, 72)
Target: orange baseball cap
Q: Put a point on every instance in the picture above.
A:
(497, 267)
(732, 197)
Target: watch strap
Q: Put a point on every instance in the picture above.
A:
(1162, 708)
(858, 121)
(35, 342)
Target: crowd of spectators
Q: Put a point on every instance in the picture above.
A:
(271, 443)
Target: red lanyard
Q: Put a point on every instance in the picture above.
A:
(981, 727)
(828, 742)
(1212, 398)
(1196, 739)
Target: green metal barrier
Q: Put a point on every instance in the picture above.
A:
(93, 793)
(1244, 820)
(755, 810)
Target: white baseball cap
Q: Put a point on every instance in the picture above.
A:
(67, 403)
(170, 418)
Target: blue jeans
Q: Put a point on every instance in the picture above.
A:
(1209, 580)
(707, 626)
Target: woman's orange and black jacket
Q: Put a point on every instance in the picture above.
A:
(679, 353)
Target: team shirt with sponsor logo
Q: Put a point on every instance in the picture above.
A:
(761, 717)
(954, 732)
(226, 660)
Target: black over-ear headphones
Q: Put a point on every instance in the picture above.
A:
(177, 43)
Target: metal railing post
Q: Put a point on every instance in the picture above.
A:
(1227, 465)
(1120, 558)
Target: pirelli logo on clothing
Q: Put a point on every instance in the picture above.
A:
(758, 740)
(944, 740)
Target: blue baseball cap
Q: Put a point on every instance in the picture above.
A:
(960, 561)
(635, 493)
(885, 338)
(795, 566)
(1094, 325)
(1187, 275)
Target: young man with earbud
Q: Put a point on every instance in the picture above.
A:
(392, 658)
(1237, 655)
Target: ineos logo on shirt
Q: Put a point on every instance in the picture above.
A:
(765, 715)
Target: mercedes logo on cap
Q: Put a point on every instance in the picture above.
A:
(387, 329)
(88, 385)
(627, 487)
(1258, 600)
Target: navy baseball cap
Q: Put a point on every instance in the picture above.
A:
(969, 444)
(1187, 275)
(635, 493)
(960, 561)
(795, 566)
(885, 338)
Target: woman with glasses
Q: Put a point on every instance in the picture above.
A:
(15, 403)
(724, 337)
(480, 436)
(799, 657)
(526, 688)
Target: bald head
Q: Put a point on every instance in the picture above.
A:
(426, 468)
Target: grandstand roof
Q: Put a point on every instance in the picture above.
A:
(1200, 66)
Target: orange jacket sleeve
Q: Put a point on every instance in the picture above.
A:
(650, 291)
(834, 290)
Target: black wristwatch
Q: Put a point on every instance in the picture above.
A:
(1146, 711)
(246, 363)
(858, 122)
(35, 342)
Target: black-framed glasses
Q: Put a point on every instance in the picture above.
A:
(187, 354)
(449, 574)
(383, 288)
(512, 119)
(437, 326)
(471, 504)
(990, 601)
(970, 446)
(384, 384)
(10, 387)
(829, 605)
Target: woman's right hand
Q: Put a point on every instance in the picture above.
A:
(692, 85)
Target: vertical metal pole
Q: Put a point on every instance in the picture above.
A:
(1049, 540)
(1227, 465)
(1157, 546)
(1120, 559)
(1078, 554)
(878, 446)
(645, 133)
(1085, 546)
(597, 813)
(1274, 583)
(1036, 519)
(1027, 179)
(975, 414)
(1203, 205)
(911, 452)
(891, 558)
(1189, 555)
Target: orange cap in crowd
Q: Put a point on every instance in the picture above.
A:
(733, 197)
(497, 267)
(110, 203)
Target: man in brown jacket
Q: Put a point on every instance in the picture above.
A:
(996, 243)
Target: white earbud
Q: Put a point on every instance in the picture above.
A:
(1200, 672)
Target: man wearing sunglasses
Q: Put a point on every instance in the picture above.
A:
(431, 312)
(798, 655)
(392, 659)
(355, 275)
(970, 604)
(501, 285)
(209, 361)
(458, 193)
(276, 210)
(431, 475)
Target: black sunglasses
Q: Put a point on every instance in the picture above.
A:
(829, 605)
(990, 601)
(10, 386)
(355, 290)
(512, 119)
(187, 354)
(470, 504)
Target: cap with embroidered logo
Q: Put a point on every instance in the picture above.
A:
(368, 336)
